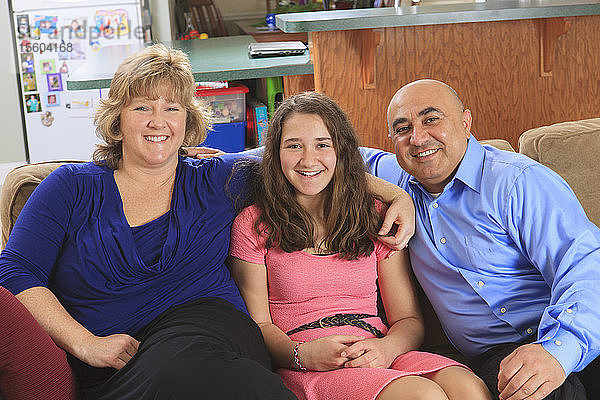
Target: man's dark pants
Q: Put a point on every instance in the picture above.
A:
(575, 387)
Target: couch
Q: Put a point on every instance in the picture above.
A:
(569, 148)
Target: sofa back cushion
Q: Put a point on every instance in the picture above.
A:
(570, 149)
(499, 144)
(18, 186)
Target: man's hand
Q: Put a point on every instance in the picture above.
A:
(529, 372)
(369, 353)
(202, 152)
(402, 213)
(109, 351)
(323, 354)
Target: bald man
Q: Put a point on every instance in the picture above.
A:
(502, 248)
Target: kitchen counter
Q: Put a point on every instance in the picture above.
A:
(223, 58)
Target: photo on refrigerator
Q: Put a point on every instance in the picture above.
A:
(53, 39)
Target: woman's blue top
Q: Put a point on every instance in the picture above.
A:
(72, 237)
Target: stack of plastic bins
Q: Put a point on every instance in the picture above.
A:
(228, 117)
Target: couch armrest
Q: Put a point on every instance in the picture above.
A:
(18, 186)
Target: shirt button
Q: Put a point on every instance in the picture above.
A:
(557, 342)
(529, 330)
(443, 240)
(569, 310)
(435, 205)
(503, 310)
(480, 283)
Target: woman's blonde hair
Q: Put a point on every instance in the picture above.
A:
(153, 72)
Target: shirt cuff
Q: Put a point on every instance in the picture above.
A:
(565, 348)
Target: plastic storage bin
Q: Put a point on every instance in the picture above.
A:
(230, 138)
(228, 104)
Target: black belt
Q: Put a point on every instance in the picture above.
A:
(339, 320)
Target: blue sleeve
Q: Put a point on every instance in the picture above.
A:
(383, 165)
(37, 237)
(547, 222)
(235, 173)
(257, 151)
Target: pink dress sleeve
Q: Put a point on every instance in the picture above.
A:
(246, 244)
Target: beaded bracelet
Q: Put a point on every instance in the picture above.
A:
(297, 362)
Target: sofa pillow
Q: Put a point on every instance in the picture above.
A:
(571, 149)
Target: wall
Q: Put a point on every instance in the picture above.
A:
(12, 149)
(163, 23)
(234, 9)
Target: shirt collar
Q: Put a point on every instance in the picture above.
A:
(470, 169)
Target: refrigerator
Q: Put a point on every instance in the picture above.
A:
(52, 39)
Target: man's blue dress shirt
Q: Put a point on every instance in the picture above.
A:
(505, 251)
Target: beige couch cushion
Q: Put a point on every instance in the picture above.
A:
(571, 149)
(499, 144)
(17, 188)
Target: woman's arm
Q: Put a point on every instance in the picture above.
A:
(403, 314)
(27, 263)
(319, 355)
(251, 279)
(401, 211)
(110, 351)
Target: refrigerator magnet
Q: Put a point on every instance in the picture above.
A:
(29, 82)
(32, 101)
(23, 25)
(48, 66)
(45, 23)
(77, 28)
(63, 50)
(47, 118)
(77, 53)
(54, 82)
(27, 62)
(64, 68)
(52, 99)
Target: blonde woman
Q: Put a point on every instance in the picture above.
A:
(121, 261)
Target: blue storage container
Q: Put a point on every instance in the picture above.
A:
(230, 137)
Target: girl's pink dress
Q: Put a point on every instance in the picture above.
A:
(304, 288)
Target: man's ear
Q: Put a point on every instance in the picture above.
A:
(467, 119)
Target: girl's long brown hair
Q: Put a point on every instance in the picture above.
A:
(351, 219)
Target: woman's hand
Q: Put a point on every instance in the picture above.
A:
(369, 353)
(324, 354)
(108, 351)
